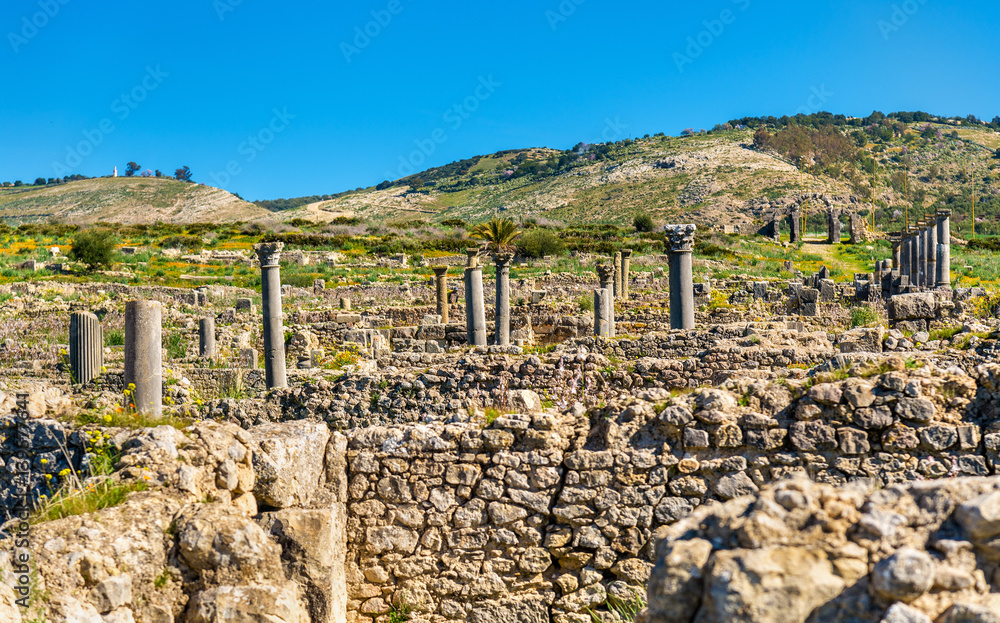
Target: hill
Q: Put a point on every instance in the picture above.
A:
(126, 200)
(727, 176)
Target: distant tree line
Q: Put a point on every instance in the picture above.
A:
(821, 119)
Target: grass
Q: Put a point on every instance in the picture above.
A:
(89, 499)
(491, 415)
(122, 418)
(863, 316)
(944, 334)
(175, 345)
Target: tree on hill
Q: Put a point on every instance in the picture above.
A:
(131, 168)
(40, 181)
(183, 174)
(643, 222)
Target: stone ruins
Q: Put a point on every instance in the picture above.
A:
(501, 452)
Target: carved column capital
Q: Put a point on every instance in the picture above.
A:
(269, 253)
(680, 238)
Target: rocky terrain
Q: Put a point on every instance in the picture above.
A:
(810, 450)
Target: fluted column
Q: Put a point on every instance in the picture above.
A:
(895, 239)
(269, 254)
(604, 304)
(144, 357)
(86, 347)
(680, 242)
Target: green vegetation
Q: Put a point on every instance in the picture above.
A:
(94, 247)
(643, 222)
(538, 243)
(498, 232)
(863, 316)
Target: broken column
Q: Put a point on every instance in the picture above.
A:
(206, 338)
(626, 261)
(475, 309)
(604, 306)
(912, 268)
(943, 277)
(774, 227)
(833, 226)
(269, 254)
(680, 242)
(441, 281)
(795, 224)
(143, 358)
(86, 346)
(501, 335)
(921, 253)
(930, 268)
(895, 239)
(618, 275)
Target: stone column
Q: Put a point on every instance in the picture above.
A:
(604, 304)
(618, 275)
(86, 346)
(680, 242)
(943, 277)
(441, 281)
(144, 357)
(475, 308)
(833, 226)
(912, 268)
(626, 265)
(501, 336)
(895, 239)
(795, 224)
(931, 241)
(206, 338)
(269, 254)
(924, 249)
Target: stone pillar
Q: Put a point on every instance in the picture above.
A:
(604, 305)
(943, 277)
(501, 336)
(475, 308)
(895, 239)
(912, 268)
(606, 275)
(618, 275)
(680, 242)
(795, 224)
(86, 346)
(269, 254)
(441, 281)
(930, 241)
(144, 357)
(206, 338)
(626, 265)
(833, 226)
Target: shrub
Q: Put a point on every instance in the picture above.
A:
(643, 222)
(539, 243)
(586, 303)
(863, 316)
(181, 242)
(454, 222)
(94, 247)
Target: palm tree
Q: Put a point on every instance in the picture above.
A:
(498, 232)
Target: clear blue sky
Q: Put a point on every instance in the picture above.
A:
(292, 101)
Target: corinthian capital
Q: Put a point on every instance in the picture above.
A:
(680, 238)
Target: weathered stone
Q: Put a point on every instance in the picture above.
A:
(904, 576)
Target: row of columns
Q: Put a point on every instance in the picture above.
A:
(923, 251)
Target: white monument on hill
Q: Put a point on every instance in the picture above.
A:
(116, 171)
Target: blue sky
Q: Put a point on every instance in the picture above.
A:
(273, 100)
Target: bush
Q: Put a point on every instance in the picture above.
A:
(539, 243)
(643, 222)
(586, 303)
(181, 242)
(94, 247)
(863, 316)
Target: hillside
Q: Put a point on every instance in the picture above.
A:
(127, 200)
(715, 178)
